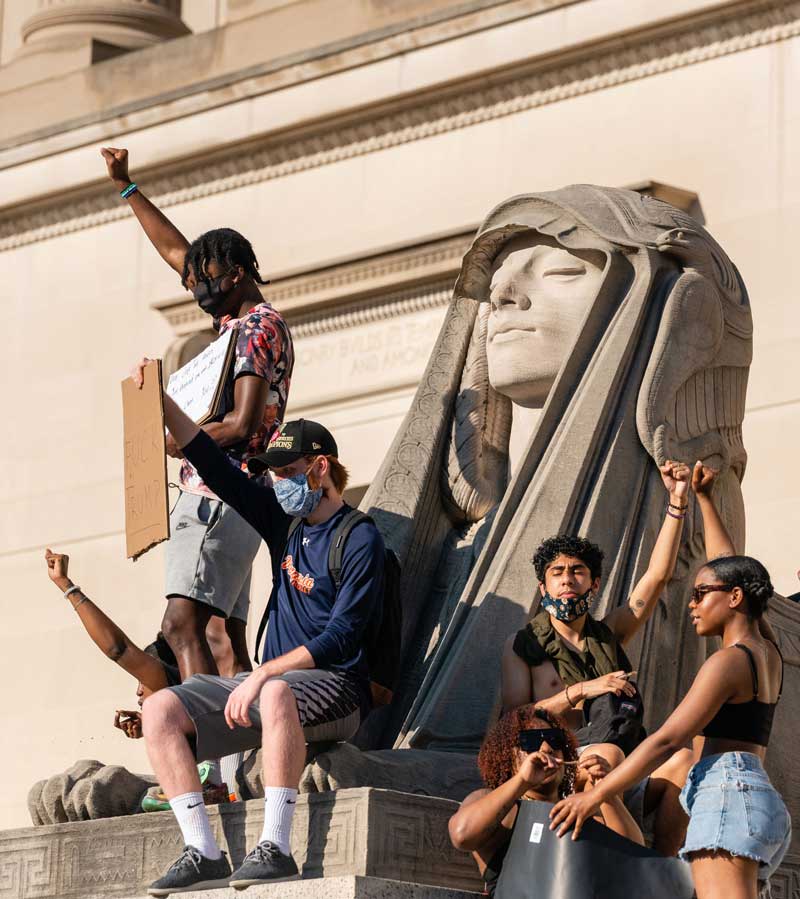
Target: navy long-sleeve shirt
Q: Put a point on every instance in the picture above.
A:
(305, 608)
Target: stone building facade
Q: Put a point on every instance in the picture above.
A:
(358, 145)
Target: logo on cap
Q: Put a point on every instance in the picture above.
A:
(316, 445)
(280, 441)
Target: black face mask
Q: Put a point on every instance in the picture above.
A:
(210, 298)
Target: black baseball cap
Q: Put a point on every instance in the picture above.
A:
(292, 441)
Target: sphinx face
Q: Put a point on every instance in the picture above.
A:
(539, 293)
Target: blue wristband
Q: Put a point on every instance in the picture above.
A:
(130, 189)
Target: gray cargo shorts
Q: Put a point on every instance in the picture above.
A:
(329, 703)
(210, 555)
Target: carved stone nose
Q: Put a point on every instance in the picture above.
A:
(507, 295)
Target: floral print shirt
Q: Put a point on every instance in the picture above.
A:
(264, 349)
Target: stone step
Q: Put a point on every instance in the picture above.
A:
(354, 834)
(335, 888)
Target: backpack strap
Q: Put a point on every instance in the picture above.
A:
(294, 524)
(340, 535)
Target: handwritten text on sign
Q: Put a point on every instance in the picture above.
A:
(194, 386)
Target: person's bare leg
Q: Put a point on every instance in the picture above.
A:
(220, 645)
(283, 750)
(166, 727)
(663, 797)
(237, 634)
(611, 753)
(184, 627)
(720, 875)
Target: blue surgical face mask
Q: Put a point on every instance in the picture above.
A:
(296, 497)
(567, 609)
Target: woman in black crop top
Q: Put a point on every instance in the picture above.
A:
(484, 822)
(739, 827)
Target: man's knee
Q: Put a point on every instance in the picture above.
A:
(163, 711)
(277, 702)
(611, 753)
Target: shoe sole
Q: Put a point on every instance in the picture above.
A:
(255, 881)
(200, 885)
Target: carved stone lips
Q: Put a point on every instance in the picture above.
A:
(510, 331)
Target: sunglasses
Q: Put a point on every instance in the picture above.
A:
(531, 740)
(700, 591)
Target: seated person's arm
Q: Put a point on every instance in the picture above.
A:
(357, 598)
(163, 235)
(109, 638)
(483, 813)
(612, 812)
(627, 619)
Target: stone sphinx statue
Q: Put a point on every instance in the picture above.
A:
(593, 334)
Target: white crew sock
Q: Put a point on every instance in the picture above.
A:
(194, 824)
(279, 806)
(229, 765)
(214, 772)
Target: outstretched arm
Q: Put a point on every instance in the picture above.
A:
(163, 235)
(715, 684)
(718, 541)
(626, 620)
(109, 638)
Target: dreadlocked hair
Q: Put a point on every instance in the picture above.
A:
(162, 652)
(749, 575)
(496, 757)
(224, 246)
(568, 545)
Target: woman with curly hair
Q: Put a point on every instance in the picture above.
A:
(528, 754)
(739, 827)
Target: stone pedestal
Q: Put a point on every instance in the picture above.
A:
(340, 888)
(360, 840)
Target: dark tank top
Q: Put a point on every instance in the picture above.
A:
(748, 722)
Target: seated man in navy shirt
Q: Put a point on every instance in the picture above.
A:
(313, 683)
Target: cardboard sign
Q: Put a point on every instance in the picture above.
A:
(146, 499)
(198, 386)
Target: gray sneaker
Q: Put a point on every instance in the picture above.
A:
(265, 864)
(193, 871)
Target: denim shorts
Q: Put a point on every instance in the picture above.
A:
(733, 806)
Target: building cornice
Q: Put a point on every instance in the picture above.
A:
(653, 51)
(351, 292)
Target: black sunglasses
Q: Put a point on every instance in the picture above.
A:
(531, 740)
(700, 591)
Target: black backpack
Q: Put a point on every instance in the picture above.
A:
(382, 639)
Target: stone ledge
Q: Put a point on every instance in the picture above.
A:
(361, 832)
(339, 888)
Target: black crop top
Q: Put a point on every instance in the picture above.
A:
(750, 722)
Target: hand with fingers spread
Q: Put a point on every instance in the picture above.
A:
(573, 811)
(130, 723)
(703, 477)
(57, 568)
(616, 683)
(237, 709)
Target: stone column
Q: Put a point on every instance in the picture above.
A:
(61, 36)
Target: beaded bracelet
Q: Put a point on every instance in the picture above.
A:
(674, 506)
(130, 189)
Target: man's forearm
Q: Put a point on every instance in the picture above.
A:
(298, 659)
(178, 423)
(560, 703)
(162, 234)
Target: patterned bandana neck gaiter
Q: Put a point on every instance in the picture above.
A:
(567, 609)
